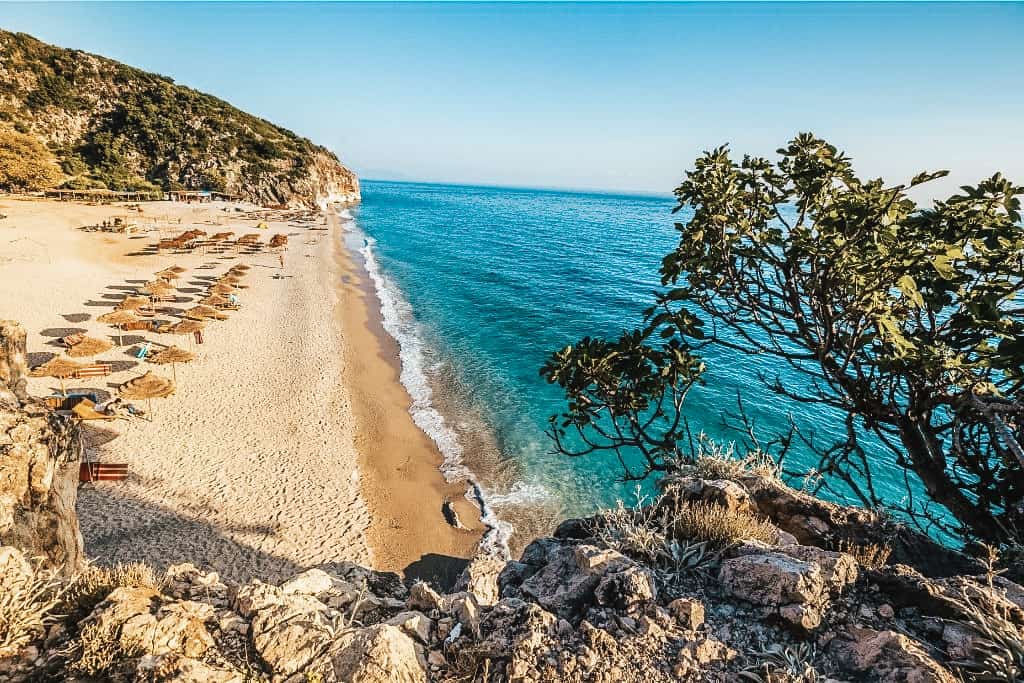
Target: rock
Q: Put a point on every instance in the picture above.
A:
(310, 582)
(480, 577)
(416, 624)
(172, 668)
(772, 579)
(40, 453)
(626, 589)
(792, 587)
(886, 611)
(724, 492)
(424, 598)
(888, 656)
(839, 570)
(291, 632)
(376, 654)
(689, 613)
(468, 613)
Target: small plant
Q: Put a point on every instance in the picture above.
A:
(778, 664)
(870, 555)
(98, 648)
(997, 650)
(719, 526)
(716, 461)
(28, 595)
(94, 583)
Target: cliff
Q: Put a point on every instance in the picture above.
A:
(114, 126)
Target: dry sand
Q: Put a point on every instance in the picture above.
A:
(288, 443)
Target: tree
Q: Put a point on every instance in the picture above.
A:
(906, 320)
(25, 163)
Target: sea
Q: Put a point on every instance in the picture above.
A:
(480, 284)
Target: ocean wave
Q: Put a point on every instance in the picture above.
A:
(399, 322)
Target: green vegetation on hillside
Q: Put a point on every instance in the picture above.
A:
(139, 129)
(25, 164)
(905, 321)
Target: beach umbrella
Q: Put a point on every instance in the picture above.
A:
(187, 327)
(146, 388)
(59, 368)
(158, 288)
(173, 355)
(202, 311)
(221, 236)
(215, 300)
(240, 267)
(133, 303)
(222, 288)
(89, 346)
(118, 319)
(169, 274)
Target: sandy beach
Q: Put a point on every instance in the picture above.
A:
(288, 442)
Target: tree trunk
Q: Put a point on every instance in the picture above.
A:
(977, 521)
(13, 363)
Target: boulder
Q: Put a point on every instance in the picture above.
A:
(688, 613)
(795, 589)
(382, 653)
(888, 657)
(480, 577)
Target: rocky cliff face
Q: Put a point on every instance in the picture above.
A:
(39, 458)
(619, 597)
(114, 126)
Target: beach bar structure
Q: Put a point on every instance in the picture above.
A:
(101, 195)
(199, 196)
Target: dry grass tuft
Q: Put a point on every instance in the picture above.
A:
(716, 461)
(719, 526)
(94, 583)
(870, 555)
(28, 595)
(98, 648)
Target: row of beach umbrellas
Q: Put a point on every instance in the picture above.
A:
(149, 385)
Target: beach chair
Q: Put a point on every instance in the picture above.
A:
(93, 370)
(85, 409)
(67, 401)
(72, 340)
(138, 326)
(144, 350)
(102, 471)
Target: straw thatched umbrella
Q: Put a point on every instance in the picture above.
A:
(118, 319)
(173, 355)
(215, 300)
(158, 288)
(222, 288)
(133, 303)
(146, 388)
(241, 267)
(89, 346)
(58, 367)
(203, 311)
(168, 274)
(187, 327)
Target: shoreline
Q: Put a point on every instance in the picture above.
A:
(401, 481)
(288, 442)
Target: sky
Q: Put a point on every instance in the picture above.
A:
(595, 96)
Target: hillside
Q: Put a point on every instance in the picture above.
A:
(111, 125)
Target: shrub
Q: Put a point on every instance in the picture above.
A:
(28, 594)
(719, 526)
(25, 163)
(93, 584)
(870, 555)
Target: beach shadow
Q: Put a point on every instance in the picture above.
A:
(38, 357)
(442, 571)
(121, 365)
(94, 303)
(62, 331)
(76, 317)
(128, 339)
(95, 436)
(120, 527)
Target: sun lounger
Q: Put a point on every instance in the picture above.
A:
(86, 410)
(102, 471)
(93, 370)
(68, 401)
(144, 350)
(72, 339)
(143, 325)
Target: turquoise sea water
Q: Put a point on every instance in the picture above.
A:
(480, 284)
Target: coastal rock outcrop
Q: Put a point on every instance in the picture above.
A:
(40, 453)
(623, 596)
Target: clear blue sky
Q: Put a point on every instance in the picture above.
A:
(588, 95)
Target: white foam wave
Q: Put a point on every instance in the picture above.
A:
(399, 322)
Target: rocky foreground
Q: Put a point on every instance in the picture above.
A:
(730, 575)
